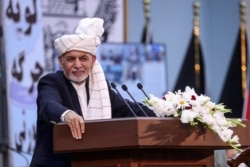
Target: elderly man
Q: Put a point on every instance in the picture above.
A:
(77, 92)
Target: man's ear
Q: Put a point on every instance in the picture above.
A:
(60, 61)
(93, 59)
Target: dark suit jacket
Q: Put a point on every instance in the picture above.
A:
(56, 94)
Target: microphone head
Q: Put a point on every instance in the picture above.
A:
(113, 85)
(124, 87)
(139, 85)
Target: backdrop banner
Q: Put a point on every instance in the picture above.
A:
(23, 36)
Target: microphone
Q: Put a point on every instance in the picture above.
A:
(139, 85)
(125, 88)
(113, 85)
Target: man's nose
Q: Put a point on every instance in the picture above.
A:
(78, 63)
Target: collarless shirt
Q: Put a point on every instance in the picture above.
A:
(82, 96)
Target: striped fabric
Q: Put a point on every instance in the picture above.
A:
(99, 104)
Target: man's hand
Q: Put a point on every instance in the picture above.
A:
(76, 124)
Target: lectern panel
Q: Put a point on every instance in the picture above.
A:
(143, 142)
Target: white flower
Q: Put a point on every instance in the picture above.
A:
(188, 116)
(209, 119)
(235, 139)
(225, 134)
(192, 108)
(182, 102)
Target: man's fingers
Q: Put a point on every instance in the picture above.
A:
(77, 128)
(82, 126)
(76, 124)
(73, 130)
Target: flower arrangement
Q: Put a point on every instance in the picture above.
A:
(192, 108)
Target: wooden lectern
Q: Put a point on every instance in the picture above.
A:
(143, 142)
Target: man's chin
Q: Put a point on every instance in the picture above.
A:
(77, 80)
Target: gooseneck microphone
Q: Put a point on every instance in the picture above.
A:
(125, 88)
(113, 85)
(139, 85)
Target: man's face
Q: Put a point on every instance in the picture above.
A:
(77, 65)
